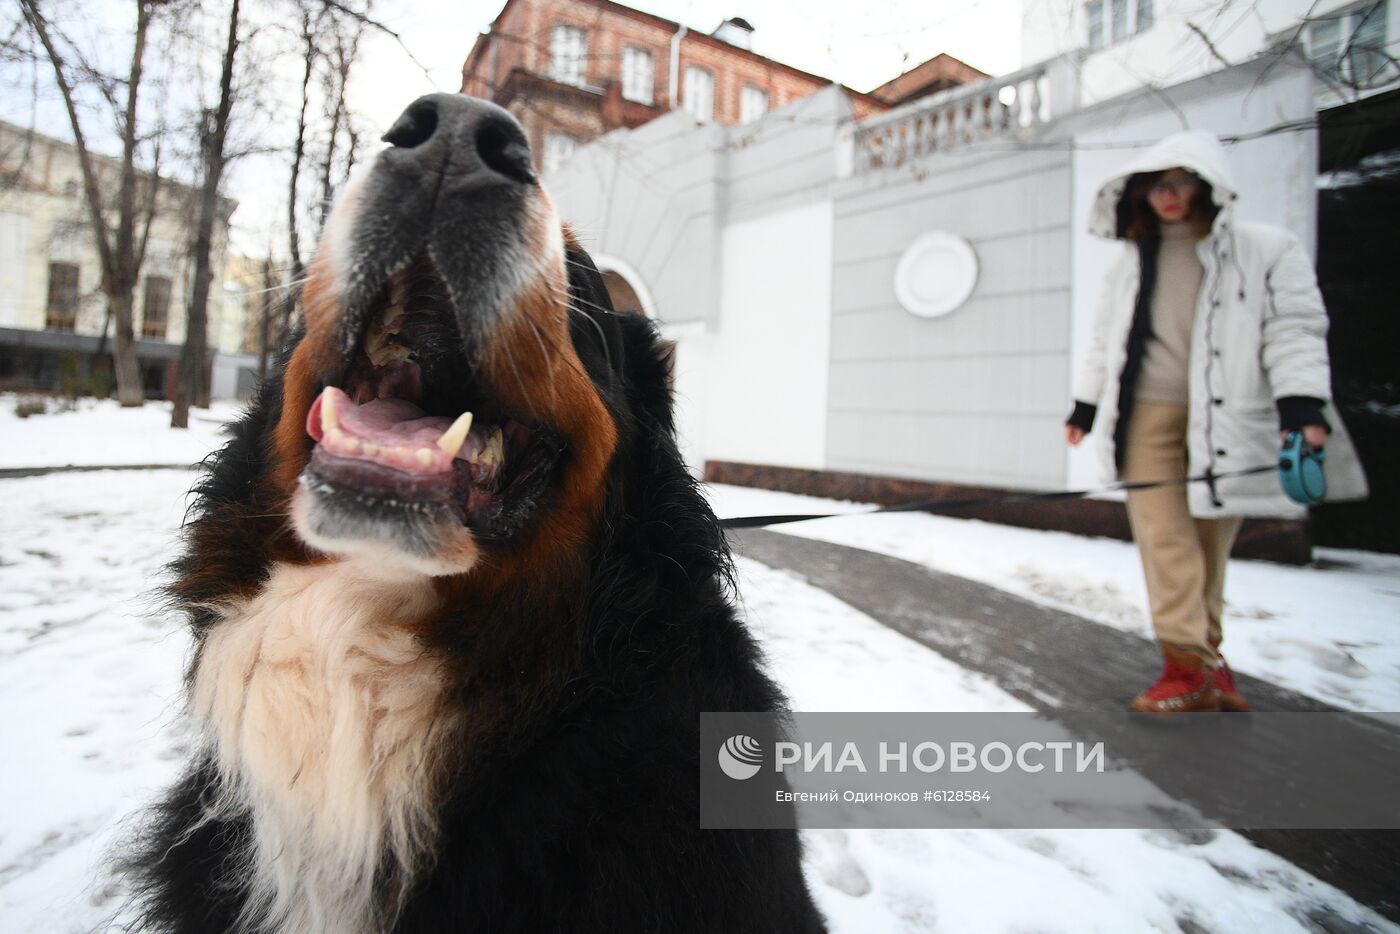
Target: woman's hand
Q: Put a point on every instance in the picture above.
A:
(1074, 434)
(1315, 435)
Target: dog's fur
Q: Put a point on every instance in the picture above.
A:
(496, 730)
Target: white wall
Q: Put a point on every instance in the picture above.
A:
(14, 267)
(1275, 176)
(728, 230)
(767, 389)
(972, 396)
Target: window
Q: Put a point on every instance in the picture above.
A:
(1095, 16)
(699, 93)
(638, 75)
(1146, 16)
(753, 103)
(558, 149)
(1118, 19)
(156, 312)
(566, 53)
(1110, 21)
(1350, 48)
(62, 313)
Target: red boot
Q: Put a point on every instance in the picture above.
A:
(1230, 697)
(1186, 685)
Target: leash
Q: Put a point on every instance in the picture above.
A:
(948, 505)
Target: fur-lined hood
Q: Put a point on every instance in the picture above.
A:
(1196, 151)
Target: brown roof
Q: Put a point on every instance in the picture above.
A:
(939, 72)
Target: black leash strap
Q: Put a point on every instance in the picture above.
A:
(949, 505)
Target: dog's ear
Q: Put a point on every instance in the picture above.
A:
(597, 336)
(649, 366)
(621, 351)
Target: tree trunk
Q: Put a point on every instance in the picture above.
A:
(121, 265)
(130, 388)
(126, 264)
(265, 313)
(192, 384)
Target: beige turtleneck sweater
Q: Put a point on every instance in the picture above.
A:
(1165, 364)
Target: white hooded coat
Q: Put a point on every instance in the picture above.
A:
(1259, 335)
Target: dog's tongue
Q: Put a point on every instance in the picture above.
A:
(392, 432)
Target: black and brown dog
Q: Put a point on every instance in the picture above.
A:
(457, 602)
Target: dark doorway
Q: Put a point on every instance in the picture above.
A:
(1358, 229)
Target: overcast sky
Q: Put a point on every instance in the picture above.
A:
(860, 45)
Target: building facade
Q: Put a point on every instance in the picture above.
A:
(52, 309)
(791, 264)
(1351, 48)
(1125, 45)
(573, 70)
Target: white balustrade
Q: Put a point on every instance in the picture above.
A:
(1011, 106)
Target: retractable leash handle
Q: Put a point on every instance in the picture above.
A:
(1300, 470)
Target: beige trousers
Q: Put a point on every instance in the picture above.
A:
(1183, 558)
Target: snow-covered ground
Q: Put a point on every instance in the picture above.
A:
(829, 656)
(101, 432)
(1332, 631)
(90, 675)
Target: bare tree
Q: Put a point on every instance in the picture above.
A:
(120, 251)
(312, 16)
(340, 120)
(266, 338)
(330, 35)
(191, 386)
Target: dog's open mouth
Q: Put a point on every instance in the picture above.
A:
(411, 427)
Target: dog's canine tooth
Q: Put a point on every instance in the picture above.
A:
(454, 437)
(329, 420)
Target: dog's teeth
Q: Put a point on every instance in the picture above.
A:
(454, 437)
(493, 452)
(398, 294)
(329, 421)
(425, 457)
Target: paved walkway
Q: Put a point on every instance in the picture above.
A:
(15, 473)
(1056, 661)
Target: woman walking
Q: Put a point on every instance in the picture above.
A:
(1209, 341)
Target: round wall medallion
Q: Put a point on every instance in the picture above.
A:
(936, 274)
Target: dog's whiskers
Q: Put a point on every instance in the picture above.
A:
(602, 338)
(549, 360)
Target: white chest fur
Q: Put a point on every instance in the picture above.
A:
(327, 720)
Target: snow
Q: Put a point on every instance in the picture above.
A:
(1331, 631)
(101, 432)
(91, 669)
(829, 656)
(90, 675)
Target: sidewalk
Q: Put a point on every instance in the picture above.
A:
(1053, 660)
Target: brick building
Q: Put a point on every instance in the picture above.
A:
(940, 73)
(572, 70)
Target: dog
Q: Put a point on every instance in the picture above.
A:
(457, 602)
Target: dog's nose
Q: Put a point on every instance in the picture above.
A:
(463, 136)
